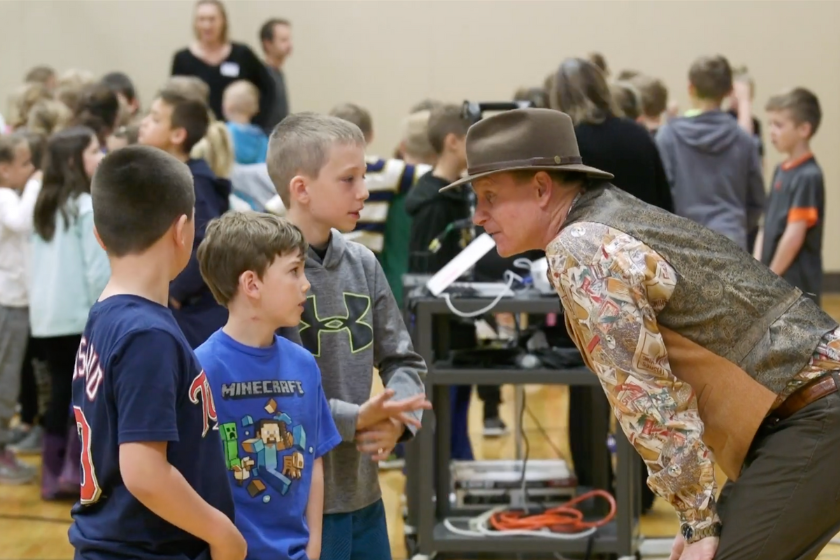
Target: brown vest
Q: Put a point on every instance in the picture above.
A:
(734, 331)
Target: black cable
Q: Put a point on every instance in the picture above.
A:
(545, 435)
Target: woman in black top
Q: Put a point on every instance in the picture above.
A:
(219, 62)
(624, 148)
(606, 140)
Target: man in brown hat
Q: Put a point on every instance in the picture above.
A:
(706, 356)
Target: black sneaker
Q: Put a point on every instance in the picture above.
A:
(494, 427)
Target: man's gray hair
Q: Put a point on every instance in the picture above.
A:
(301, 144)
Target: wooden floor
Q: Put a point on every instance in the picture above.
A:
(33, 530)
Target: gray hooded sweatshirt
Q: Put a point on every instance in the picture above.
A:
(352, 324)
(714, 170)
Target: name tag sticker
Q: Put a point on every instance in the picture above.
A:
(229, 69)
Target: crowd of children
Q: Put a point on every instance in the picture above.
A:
(213, 368)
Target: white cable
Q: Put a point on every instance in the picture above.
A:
(479, 528)
(510, 278)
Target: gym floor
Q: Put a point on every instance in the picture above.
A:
(34, 530)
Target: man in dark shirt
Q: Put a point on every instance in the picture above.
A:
(276, 38)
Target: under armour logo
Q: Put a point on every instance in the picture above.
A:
(313, 326)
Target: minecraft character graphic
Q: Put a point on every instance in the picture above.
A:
(274, 454)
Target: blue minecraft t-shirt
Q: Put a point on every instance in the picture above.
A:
(274, 421)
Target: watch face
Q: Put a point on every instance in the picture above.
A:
(687, 532)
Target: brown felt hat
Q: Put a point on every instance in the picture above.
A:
(538, 139)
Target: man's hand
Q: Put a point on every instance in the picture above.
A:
(704, 549)
(381, 407)
(380, 439)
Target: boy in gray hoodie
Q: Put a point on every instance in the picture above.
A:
(713, 166)
(351, 324)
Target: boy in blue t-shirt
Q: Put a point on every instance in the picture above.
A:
(275, 421)
(153, 478)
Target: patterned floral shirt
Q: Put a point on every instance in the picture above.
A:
(612, 286)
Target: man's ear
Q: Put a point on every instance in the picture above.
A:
(299, 189)
(99, 239)
(543, 184)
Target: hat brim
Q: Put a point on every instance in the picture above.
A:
(572, 168)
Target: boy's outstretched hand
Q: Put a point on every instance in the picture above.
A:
(382, 407)
(380, 439)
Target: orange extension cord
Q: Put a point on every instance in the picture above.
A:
(561, 519)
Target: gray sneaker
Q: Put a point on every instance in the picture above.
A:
(13, 471)
(30, 444)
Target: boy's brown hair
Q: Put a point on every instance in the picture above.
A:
(187, 113)
(626, 96)
(241, 241)
(711, 77)
(301, 144)
(138, 193)
(653, 95)
(356, 115)
(444, 121)
(803, 105)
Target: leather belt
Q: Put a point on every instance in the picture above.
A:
(808, 394)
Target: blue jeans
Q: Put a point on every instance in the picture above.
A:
(358, 535)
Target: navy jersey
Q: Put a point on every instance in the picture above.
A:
(275, 421)
(137, 380)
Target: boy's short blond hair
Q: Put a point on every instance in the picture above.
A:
(446, 120)
(241, 241)
(653, 95)
(301, 144)
(803, 105)
(357, 115)
(711, 77)
(243, 97)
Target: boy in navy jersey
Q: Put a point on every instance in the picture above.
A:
(153, 475)
(274, 419)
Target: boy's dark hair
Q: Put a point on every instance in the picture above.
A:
(444, 121)
(711, 77)
(120, 83)
(138, 193)
(653, 95)
(97, 109)
(803, 105)
(187, 113)
(359, 116)
(267, 29)
(241, 241)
